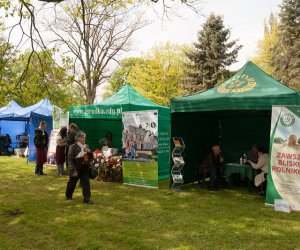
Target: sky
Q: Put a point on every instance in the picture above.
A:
(245, 18)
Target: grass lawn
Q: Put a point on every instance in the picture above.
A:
(35, 215)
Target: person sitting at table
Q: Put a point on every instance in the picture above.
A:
(262, 164)
(252, 154)
(212, 166)
(107, 140)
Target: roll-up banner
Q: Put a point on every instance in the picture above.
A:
(283, 181)
(140, 143)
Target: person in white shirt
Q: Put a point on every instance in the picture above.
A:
(262, 164)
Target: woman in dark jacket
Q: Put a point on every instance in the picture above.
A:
(78, 158)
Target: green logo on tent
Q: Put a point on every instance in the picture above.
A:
(287, 119)
(237, 84)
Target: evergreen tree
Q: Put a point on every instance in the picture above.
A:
(211, 55)
(286, 59)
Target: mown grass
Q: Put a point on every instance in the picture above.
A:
(35, 215)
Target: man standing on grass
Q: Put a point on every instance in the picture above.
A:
(40, 141)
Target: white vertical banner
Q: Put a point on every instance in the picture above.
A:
(284, 166)
(63, 119)
(52, 143)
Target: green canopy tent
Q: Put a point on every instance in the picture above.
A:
(235, 114)
(97, 119)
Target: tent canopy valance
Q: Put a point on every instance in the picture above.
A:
(126, 99)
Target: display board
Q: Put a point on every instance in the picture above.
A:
(52, 143)
(60, 119)
(140, 144)
(284, 165)
(178, 163)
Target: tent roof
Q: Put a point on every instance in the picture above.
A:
(43, 108)
(10, 108)
(126, 99)
(249, 89)
(128, 95)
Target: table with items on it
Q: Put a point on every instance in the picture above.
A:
(237, 168)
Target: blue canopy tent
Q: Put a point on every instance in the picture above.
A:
(13, 128)
(32, 115)
(11, 106)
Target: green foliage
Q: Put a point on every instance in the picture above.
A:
(267, 45)
(286, 58)
(119, 77)
(211, 54)
(157, 76)
(40, 77)
(35, 215)
(6, 57)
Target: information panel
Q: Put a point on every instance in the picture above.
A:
(284, 166)
(140, 143)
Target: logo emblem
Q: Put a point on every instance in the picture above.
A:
(287, 119)
(237, 84)
(153, 125)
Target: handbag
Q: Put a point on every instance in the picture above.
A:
(93, 172)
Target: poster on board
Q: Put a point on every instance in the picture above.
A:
(283, 181)
(140, 144)
(52, 146)
(60, 119)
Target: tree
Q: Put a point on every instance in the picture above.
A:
(211, 54)
(158, 74)
(7, 54)
(119, 76)
(267, 45)
(34, 12)
(286, 59)
(44, 79)
(94, 34)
